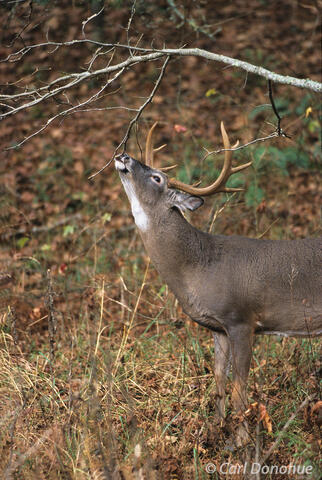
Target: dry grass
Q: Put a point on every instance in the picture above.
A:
(129, 391)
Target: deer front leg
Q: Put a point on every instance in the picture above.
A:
(222, 367)
(241, 341)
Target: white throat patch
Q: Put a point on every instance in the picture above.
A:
(140, 217)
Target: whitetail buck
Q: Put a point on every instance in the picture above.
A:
(234, 286)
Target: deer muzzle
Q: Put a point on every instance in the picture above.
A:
(122, 162)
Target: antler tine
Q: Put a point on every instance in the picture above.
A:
(219, 184)
(167, 169)
(149, 146)
(149, 149)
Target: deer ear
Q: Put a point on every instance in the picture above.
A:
(185, 201)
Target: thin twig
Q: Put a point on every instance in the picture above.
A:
(149, 100)
(126, 333)
(85, 22)
(13, 321)
(135, 119)
(99, 332)
(73, 79)
(52, 322)
(279, 119)
(287, 424)
(68, 111)
(270, 93)
(240, 147)
(278, 132)
(129, 25)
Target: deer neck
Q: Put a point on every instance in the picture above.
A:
(173, 244)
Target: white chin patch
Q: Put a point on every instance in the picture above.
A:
(140, 217)
(119, 165)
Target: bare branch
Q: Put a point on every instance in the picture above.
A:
(135, 119)
(248, 67)
(149, 100)
(240, 147)
(150, 54)
(278, 132)
(129, 24)
(85, 22)
(68, 111)
(72, 80)
(13, 103)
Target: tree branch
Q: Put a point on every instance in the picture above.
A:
(151, 53)
(135, 119)
(13, 103)
(68, 111)
(44, 93)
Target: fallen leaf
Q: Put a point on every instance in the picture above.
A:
(210, 92)
(179, 128)
(265, 418)
(316, 413)
(308, 111)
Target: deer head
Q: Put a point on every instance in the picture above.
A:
(151, 190)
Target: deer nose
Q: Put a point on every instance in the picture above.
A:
(123, 157)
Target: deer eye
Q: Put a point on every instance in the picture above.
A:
(156, 178)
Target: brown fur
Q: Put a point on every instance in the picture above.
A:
(234, 286)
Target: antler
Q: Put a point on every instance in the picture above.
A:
(150, 150)
(219, 183)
